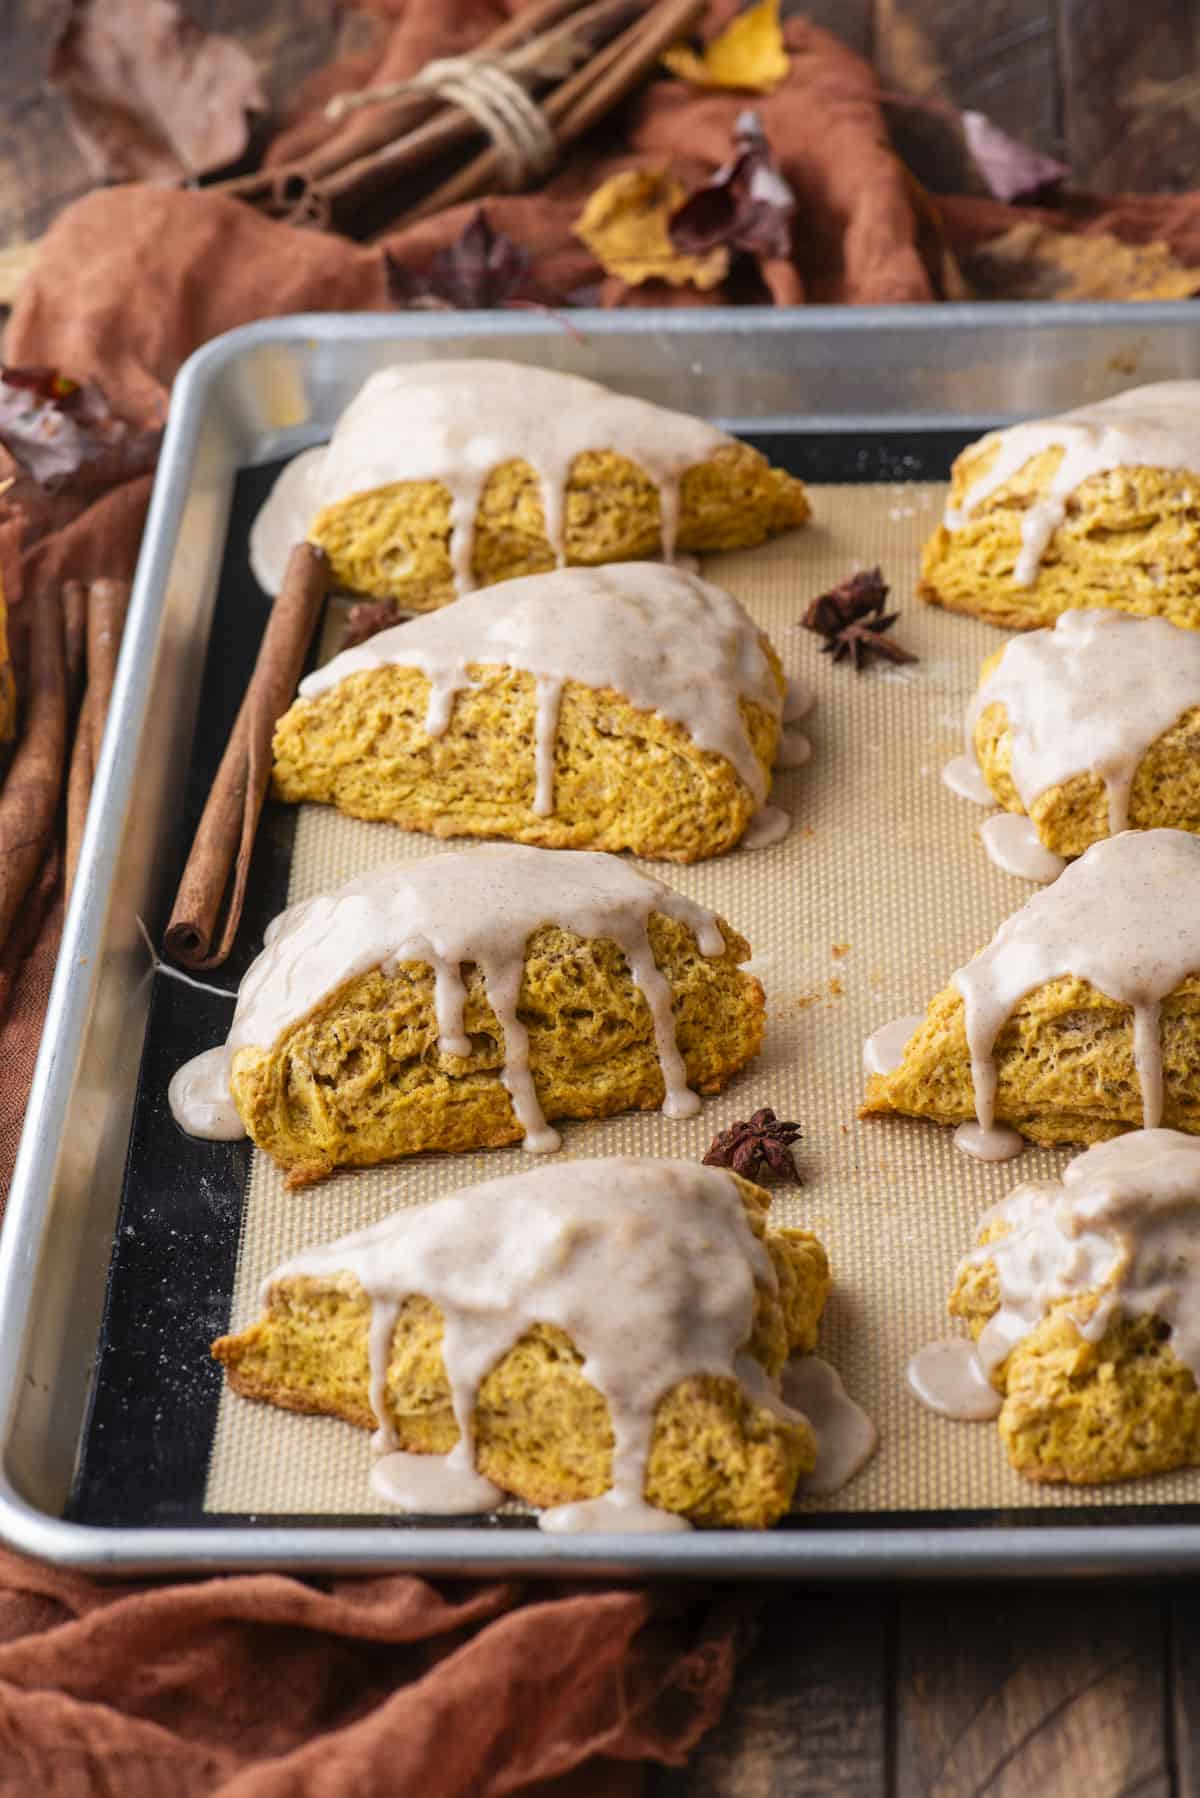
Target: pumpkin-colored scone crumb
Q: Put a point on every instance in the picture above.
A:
(1086, 1412)
(623, 778)
(1073, 814)
(542, 1431)
(8, 686)
(394, 541)
(1130, 539)
(1064, 1065)
(362, 1078)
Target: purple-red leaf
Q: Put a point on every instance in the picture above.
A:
(484, 268)
(63, 433)
(747, 205)
(1012, 170)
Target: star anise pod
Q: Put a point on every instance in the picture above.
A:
(763, 1140)
(852, 621)
(368, 618)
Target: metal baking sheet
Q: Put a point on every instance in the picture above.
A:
(880, 393)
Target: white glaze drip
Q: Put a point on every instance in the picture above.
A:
(846, 1436)
(768, 826)
(1123, 1223)
(1124, 917)
(476, 906)
(1146, 427)
(649, 1266)
(199, 1091)
(794, 748)
(991, 1142)
(947, 1378)
(964, 776)
(455, 422)
(668, 642)
(798, 700)
(884, 1049)
(1013, 845)
(1089, 697)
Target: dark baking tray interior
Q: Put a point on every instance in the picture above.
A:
(148, 1430)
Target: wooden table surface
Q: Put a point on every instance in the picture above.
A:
(1079, 1691)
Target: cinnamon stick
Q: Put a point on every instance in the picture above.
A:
(29, 798)
(225, 836)
(365, 132)
(357, 181)
(581, 101)
(105, 603)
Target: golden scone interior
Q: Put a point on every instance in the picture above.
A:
(462, 1001)
(446, 476)
(1099, 507)
(1084, 1301)
(1081, 1018)
(1093, 727)
(625, 708)
(683, 1307)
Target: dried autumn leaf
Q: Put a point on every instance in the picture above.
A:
(1033, 262)
(748, 53)
(483, 268)
(151, 95)
(63, 433)
(1011, 170)
(626, 225)
(747, 205)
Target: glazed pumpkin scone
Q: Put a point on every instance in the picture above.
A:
(1092, 727)
(461, 1001)
(1080, 1020)
(633, 708)
(445, 476)
(1083, 1298)
(604, 1338)
(1098, 507)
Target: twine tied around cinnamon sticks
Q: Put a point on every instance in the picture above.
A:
(583, 65)
(487, 88)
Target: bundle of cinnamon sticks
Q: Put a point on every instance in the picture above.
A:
(64, 690)
(579, 58)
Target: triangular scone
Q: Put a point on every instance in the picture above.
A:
(719, 1451)
(1097, 507)
(636, 708)
(1098, 1385)
(1127, 913)
(444, 476)
(1092, 727)
(461, 1001)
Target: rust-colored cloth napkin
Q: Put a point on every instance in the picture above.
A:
(264, 1686)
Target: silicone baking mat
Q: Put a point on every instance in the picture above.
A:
(878, 893)
(859, 915)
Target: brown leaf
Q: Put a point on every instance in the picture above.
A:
(1011, 170)
(625, 224)
(63, 433)
(484, 268)
(748, 53)
(1033, 262)
(151, 96)
(747, 205)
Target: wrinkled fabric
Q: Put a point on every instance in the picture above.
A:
(265, 1686)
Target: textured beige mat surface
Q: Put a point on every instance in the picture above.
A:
(859, 915)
